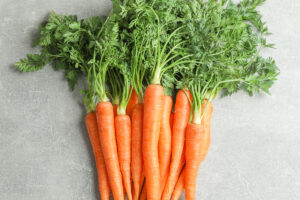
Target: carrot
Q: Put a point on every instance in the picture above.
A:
(180, 183)
(132, 102)
(153, 108)
(179, 187)
(197, 144)
(171, 120)
(105, 119)
(165, 139)
(136, 149)
(91, 124)
(181, 118)
(123, 135)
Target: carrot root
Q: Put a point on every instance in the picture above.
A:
(105, 120)
(153, 108)
(103, 183)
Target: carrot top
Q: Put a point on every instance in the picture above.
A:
(226, 40)
(155, 22)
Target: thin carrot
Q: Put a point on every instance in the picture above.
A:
(103, 183)
(197, 144)
(105, 119)
(181, 118)
(123, 135)
(165, 139)
(153, 108)
(136, 149)
(179, 187)
(132, 102)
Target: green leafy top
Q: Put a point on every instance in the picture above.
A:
(67, 44)
(225, 40)
(151, 20)
(110, 53)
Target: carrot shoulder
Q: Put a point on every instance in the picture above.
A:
(153, 107)
(181, 118)
(132, 102)
(136, 149)
(105, 119)
(164, 144)
(103, 183)
(115, 108)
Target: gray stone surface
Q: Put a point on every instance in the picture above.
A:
(45, 151)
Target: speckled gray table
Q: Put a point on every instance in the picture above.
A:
(45, 152)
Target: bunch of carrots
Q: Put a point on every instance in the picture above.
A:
(152, 70)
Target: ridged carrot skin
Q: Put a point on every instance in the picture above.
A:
(92, 128)
(179, 187)
(153, 108)
(181, 118)
(132, 102)
(136, 149)
(123, 135)
(165, 140)
(106, 127)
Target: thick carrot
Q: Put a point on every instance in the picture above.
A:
(132, 102)
(171, 120)
(197, 144)
(105, 119)
(103, 183)
(123, 135)
(164, 144)
(181, 118)
(179, 187)
(153, 108)
(136, 149)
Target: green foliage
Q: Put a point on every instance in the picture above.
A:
(206, 46)
(33, 62)
(67, 44)
(225, 39)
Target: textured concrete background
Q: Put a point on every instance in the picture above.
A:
(44, 148)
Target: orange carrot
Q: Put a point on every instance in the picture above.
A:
(136, 149)
(132, 102)
(164, 144)
(181, 118)
(171, 120)
(179, 187)
(123, 135)
(197, 144)
(153, 108)
(105, 119)
(103, 183)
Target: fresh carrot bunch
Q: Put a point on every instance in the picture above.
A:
(152, 70)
